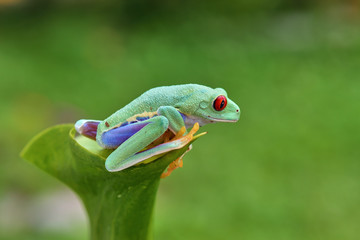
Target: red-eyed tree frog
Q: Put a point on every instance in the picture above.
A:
(157, 115)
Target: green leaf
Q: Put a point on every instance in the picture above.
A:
(119, 204)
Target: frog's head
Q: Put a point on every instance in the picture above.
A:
(217, 107)
(212, 105)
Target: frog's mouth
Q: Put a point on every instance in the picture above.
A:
(222, 120)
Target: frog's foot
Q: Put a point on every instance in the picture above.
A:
(186, 139)
(181, 133)
(175, 164)
(167, 137)
(87, 128)
(180, 138)
(172, 166)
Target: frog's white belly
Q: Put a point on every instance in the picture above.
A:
(191, 120)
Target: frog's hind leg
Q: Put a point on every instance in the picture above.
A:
(87, 128)
(122, 157)
(115, 137)
(140, 156)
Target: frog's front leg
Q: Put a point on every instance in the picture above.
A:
(176, 122)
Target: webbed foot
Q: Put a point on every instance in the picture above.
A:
(174, 165)
(179, 137)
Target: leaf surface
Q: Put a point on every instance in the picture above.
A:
(119, 204)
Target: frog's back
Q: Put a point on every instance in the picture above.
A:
(146, 105)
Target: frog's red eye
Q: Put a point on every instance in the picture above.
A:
(220, 103)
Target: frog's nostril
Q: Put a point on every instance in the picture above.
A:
(237, 110)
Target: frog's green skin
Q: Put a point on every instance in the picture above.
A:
(147, 117)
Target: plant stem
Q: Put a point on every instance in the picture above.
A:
(119, 209)
(119, 204)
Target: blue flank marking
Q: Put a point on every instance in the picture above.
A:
(183, 116)
(115, 137)
(124, 124)
(139, 119)
(142, 118)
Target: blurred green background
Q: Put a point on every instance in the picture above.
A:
(289, 169)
